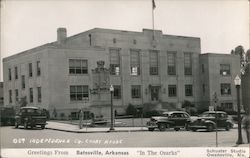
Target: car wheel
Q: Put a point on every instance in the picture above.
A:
(210, 127)
(176, 129)
(151, 129)
(25, 125)
(193, 129)
(16, 125)
(228, 126)
(42, 126)
(187, 127)
(162, 127)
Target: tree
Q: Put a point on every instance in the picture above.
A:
(244, 59)
(239, 50)
(248, 56)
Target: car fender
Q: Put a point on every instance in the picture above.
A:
(210, 122)
(230, 122)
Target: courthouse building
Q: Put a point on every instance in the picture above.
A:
(146, 68)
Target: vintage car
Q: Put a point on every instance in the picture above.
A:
(31, 117)
(172, 119)
(7, 116)
(211, 120)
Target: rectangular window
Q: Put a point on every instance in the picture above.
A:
(227, 106)
(188, 63)
(16, 91)
(225, 89)
(78, 66)
(189, 90)
(30, 70)
(114, 56)
(203, 89)
(154, 62)
(23, 81)
(79, 92)
(202, 68)
(10, 96)
(31, 95)
(9, 74)
(171, 62)
(136, 91)
(172, 91)
(225, 69)
(135, 62)
(39, 94)
(117, 92)
(16, 73)
(38, 68)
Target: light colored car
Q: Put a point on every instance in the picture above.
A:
(211, 120)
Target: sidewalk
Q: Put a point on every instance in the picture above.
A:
(75, 128)
(242, 145)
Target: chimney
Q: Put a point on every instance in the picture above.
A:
(61, 35)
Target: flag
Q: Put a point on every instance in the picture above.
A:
(153, 4)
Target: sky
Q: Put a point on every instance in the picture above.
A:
(221, 24)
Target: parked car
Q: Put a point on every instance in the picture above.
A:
(210, 119)
(31, 117)
(172, 119)
(7, 116)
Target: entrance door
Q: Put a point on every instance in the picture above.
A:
(155, 93)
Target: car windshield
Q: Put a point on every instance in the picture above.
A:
(165, 114)
(208, 115)
(33, 111)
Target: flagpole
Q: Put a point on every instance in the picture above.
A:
(153, 24)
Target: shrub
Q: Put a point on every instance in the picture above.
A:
(62, 115)
(151, 113)
(131, 110)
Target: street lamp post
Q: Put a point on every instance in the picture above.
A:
(237, 82)
(111, 89)
(216, 117)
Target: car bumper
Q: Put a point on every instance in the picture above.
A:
(37, 123)
(152, 125)
(197, 127)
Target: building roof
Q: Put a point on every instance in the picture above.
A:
(29, 107)
(55, 43)
(217, 54)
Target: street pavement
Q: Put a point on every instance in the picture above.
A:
(73, 127)
(66, 127)
(47, 138)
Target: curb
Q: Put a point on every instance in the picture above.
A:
(241, 145)
(94, 131)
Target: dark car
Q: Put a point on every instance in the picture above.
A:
(31, 117)
(7, 116)
(210, 119)
(172, 119)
